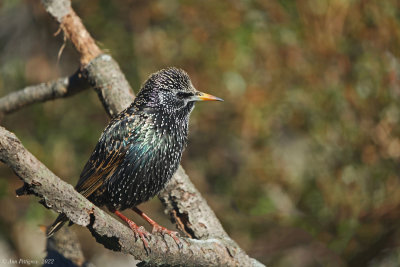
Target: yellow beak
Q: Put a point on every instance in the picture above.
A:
(200, 96)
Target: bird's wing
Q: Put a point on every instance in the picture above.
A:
(108, 155)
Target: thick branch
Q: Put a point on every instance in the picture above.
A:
(189, 210)
(110, 84)
(61, 197)
(62, 87)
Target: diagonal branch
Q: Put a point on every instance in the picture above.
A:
(105, 76)
(61, 87)
(62, 197)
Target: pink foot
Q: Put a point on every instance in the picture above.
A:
(164, 231)
(139, 232)
(158, 228)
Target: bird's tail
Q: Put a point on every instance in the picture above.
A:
(58, 223)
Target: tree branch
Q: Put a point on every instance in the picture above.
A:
(189, 209)
(62, 197)
(110, 83)
(62, 87)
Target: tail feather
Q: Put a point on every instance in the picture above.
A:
(58, 223)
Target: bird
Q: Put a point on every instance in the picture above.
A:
(140, 149)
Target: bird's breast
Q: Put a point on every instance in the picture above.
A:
(150, 162)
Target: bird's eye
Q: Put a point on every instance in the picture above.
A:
(184, 94)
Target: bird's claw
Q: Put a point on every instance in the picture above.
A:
(141, 233)
(162, 230)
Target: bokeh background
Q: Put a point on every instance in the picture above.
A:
(301, 161)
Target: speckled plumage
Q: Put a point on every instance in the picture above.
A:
(140, 149)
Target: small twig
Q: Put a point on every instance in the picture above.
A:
(61, 87)
(61, 49)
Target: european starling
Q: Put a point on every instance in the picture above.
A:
(140, 149)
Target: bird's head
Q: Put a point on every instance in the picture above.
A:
(170, 91)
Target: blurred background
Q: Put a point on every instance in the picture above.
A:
(301, 161)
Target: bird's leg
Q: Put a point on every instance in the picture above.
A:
(158, 228)
(138, 231)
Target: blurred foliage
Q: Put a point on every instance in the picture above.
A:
(301, 161)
